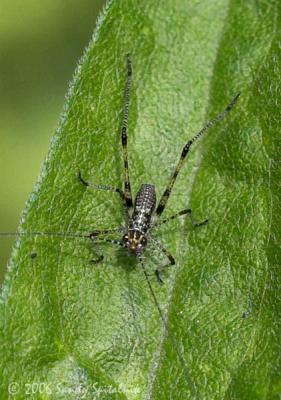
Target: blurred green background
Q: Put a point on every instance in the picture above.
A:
(40, 44)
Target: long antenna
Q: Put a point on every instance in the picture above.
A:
(170, 336)
(94, 235)
(54, 234)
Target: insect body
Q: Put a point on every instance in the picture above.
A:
(140, 222)
(142, 214)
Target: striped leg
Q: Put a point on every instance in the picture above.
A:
(163, 201)
(187, 211)
(97, 260)
(104, 187)
(127, 186)
(168, 264)
(95, 238)
(95, 234)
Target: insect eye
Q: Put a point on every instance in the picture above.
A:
(125, 238)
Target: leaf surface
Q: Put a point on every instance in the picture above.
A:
(93, 331)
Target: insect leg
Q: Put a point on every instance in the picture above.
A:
(127, 186)
(163, 201)
(187, 211)
(97, 260)
(94, 236)
(169, 257)
(104, 187)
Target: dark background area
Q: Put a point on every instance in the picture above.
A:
(40, 44)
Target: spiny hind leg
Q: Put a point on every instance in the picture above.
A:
(126, 194)
(167, 192)
(124, 136)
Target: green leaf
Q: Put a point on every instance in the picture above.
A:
(78, 330)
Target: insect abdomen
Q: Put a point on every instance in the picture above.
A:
(146, 198)
(144, 206)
